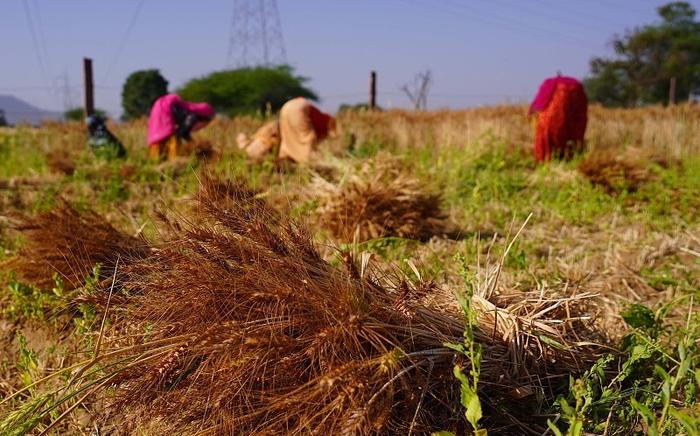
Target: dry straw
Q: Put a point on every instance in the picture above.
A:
(61, 161)
(246, 329)
(69, 243)
(380, 199)
(616, 172)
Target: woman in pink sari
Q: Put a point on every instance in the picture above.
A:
(172, 121)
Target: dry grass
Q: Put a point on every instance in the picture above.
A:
(60, 161)
(203, 150)
(69, 243)
(233, 310)
(379, 200)
(614, 173)
(248, 330)
(671, 131)
(627, 171)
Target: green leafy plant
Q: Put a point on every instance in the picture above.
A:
(588, 395)
(84, 324)
(25, 418)
(471, 350)
(28, 362)
(657, 380)
(29, 302)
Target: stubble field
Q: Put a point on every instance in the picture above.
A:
(211, 295)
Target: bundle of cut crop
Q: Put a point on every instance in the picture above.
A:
(380, 199)
(238, 326)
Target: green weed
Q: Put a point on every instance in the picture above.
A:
(19, 155)
(29, 302)
(471, 350)
(654, 390)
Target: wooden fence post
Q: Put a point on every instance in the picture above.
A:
(89, 87)
(672, 92)
(373, 90)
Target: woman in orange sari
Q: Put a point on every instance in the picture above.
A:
(300, 128)
(561, 106)
(264, 141)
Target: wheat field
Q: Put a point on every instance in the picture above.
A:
(425, 276)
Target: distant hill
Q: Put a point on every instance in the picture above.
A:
(17, 111)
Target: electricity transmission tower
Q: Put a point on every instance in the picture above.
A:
(256, 34)
(66, 91)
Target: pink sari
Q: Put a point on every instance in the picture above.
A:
(161, 123)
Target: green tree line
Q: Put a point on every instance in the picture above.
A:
(647, 59)
(231, 92)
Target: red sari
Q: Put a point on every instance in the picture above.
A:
(561, 124)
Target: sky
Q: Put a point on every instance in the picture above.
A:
(480, 52)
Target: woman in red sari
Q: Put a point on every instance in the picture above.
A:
(561, 106)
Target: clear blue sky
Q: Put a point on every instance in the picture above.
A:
(479, 51)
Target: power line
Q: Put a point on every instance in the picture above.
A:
(472, 14)
(545, 12)
(347, 95)
(516, 25)
(68, 92)
(125, 38)
(442, 95)
(25, 112)
(35, 42)
(628, 6)
(56, 89)
(42, 38)
(44, 88)
(577, 12)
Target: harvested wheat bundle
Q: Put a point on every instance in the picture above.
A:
(70, 243)
(203, 150)
(219, 193)
(238, 326)
(60, 161)
(378, 200)
(617, 173)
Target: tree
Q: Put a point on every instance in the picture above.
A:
(247, 90)
(78, 114)
(140, 90)
(647, 59)
(3, 120)
(417, 91)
